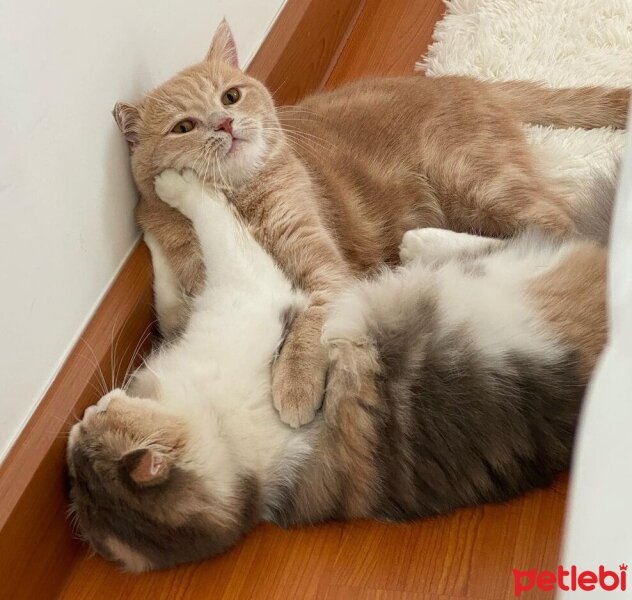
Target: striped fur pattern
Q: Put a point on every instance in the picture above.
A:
(454, 380)
(328, 187)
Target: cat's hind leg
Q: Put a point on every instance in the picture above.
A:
(353, 409)
(170, 301)
(487, 176)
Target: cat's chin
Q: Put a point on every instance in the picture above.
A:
(243, 160)
(237, 146)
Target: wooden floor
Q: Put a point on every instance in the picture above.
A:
(467, 555)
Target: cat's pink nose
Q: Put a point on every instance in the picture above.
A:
(226, 125)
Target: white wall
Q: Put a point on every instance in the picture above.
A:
(66, 196)
(598, 524)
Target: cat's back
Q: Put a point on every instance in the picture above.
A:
(571, 298)
(389, 113)
(373, 116)
(534, 296)
(361, 145)
(480, 369)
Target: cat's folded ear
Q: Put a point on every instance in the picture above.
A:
(146, 466)
(128, 119)
(223, 47)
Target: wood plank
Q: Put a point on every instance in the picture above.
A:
(389, 37)
(36, 545)
(469, 554)
(335, 593)
(466, 555)
(303, 46)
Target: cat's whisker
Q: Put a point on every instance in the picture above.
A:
(299, 145)
(286, 122)
(98, 388)
(306, 115)
(129, 371)
(96, 365)
(297, 109)
(276, 91)
(315, 138)
(147, 366)
(221, 175)
(212, 164)
(139, 345)
(200, 158)
(116, 364)
(113, 348)
(305, 143)
(97, 391)
(293, 134)
(310, 144)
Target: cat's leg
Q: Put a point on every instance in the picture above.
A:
(487, 177)
(298, 376)
(298, 238)
(505, 205)
(353, 409)
(232, 256)
(169, 299)
(432, 245)
(219, 230)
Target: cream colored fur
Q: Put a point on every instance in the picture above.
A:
(562, 43)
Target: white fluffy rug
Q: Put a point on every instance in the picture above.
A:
(556, 42)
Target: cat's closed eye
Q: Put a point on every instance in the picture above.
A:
(231, 96)
(184, 126)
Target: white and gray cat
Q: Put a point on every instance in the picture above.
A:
(454, 380)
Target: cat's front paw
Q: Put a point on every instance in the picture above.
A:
(179, 190)
(298, 388)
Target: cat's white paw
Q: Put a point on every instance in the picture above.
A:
(418, 244)
(170, 186)
(191, 177)
(427, 244)
(102, 405)
(178, 190)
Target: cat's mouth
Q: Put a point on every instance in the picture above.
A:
(236, 140)
(236, 144)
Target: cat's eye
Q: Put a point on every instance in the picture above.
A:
(184, 126)
(231, 96)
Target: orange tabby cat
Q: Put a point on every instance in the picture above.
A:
(330, 186)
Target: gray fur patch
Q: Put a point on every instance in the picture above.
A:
(458, 430)
(473, 269)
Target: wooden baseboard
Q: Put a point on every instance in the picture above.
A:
(36, 544)
(304, 45)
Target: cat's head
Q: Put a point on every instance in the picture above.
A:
(211, 118)
(138, 493)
